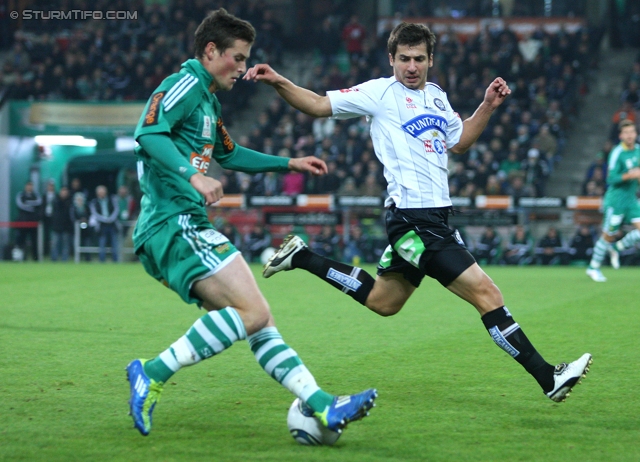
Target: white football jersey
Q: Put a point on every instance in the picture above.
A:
(411, 130)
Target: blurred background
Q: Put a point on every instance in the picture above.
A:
(75, 76)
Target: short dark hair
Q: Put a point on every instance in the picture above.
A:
(222, 29)
(411, 34)
(625, 123)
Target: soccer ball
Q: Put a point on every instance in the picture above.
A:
(307, 429)
(266, 255)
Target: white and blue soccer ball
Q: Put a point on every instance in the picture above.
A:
(307, 429)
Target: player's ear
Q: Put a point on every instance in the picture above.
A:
(210, 49)
(431, 60)
(390, 59)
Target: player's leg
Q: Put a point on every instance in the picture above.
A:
(610, 227)
(102, 244)
(385, 295)
(225, 285)
(477, 288)
(631, 238)
(294, 253)
(235, 286)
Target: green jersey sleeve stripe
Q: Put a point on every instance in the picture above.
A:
(176, 86)
(180, 92)
(613, 157)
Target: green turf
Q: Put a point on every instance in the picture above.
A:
(447, 393)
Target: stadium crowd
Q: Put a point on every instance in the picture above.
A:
(125, 60)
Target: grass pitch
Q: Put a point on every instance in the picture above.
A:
(447, 393)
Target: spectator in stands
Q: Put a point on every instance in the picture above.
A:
(126, 209)
(550, 249)
(536, 170)
(547, 144)
(353, 35)
(600, 162)
(596, 185)
(631, 95)
(356, 247)
(48, 199)
(328, 41)
(371, 186)
(348, 187)
(519, 250)
(327, 243)
(231, 232)
(517, 188)
(61, 226)
(255, 242)
(488, 249)
(329, 183)
(581, 246)
(512, 164)
(76, 187)
(494, 187)
(104, 220)
(625, 112)
(29, 203)
(293, 183)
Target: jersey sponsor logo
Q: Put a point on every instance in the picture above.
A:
(420, 124)
(410, 103)
(206, 127)
(153, 111)
(439, 104)
(347, 90)
(201, 161)
(347, 281)
(227, 143)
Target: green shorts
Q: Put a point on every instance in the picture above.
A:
(186, 249)
(616, 215)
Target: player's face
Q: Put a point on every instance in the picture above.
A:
(410, 65)
(228, 66)
(628, 136)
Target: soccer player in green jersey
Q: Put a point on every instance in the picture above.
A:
(620, 204)
(180, 131)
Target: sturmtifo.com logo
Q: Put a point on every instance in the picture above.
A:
(73, 14)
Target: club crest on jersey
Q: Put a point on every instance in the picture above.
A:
(439, 104)
(435, 145)
(420, 124)
(206, 127)
(410, 103)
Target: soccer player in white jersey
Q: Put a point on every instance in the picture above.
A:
(412, 128)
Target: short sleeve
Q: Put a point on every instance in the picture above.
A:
(169, 105)
(357, 101)
(454, 128)
(454, 123)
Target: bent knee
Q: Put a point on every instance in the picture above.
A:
(384, 308)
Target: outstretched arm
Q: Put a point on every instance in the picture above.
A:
(250, 161)
(300, 98)
(472, 128)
